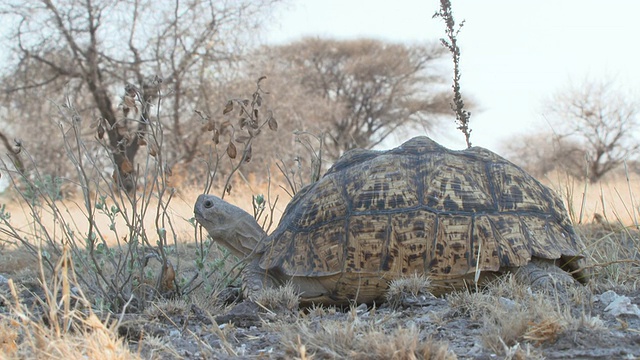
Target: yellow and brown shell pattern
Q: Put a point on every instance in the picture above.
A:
(418, 208)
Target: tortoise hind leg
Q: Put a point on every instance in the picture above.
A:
(544, 275)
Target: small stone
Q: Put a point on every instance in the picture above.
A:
(507, 303)
(361, 309)
(622, 306)
(607, 297)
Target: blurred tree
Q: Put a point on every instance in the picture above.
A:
(89, 50)
(358, 92)
(542, 153)
(602, 120)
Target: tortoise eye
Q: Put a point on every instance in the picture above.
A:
(208, 204)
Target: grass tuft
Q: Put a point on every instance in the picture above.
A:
(511, 315)
(281, 300)
(402, 290)
(358, 339)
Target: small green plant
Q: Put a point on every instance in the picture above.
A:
(112, 263)
(47, 184)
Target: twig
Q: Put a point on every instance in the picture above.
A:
(462, 115)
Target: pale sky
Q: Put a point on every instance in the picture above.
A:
(515, 53)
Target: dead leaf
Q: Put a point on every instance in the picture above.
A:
(253, 132)
(228, 107)
(247, 156)
(242, 138)
(273, 124)
(129, 101)
(168, 277)
(225, 125)
(231, 150)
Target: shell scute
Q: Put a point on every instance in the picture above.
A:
(453, 183)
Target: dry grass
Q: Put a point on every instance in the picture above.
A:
(282, 300)
(607, 218)
(24, 333)
(180, 210)
(358, 339)
(511, 315)
(16, 261)
(613, 255)
(613, 198)
(66, 327)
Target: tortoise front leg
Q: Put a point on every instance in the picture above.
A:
(247, 312)
(255, 279)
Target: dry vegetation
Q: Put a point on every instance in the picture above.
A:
(70, 320)
(97, 293)
(513, 321)
(93, 269)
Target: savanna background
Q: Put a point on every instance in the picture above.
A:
(115, 115)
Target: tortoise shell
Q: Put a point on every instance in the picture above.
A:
(418, 208)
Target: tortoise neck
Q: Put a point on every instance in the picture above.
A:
(248, 234)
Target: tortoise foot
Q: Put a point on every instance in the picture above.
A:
(245, 314)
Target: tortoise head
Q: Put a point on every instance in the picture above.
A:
(229, 225)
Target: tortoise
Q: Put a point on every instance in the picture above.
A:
(420, 208)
